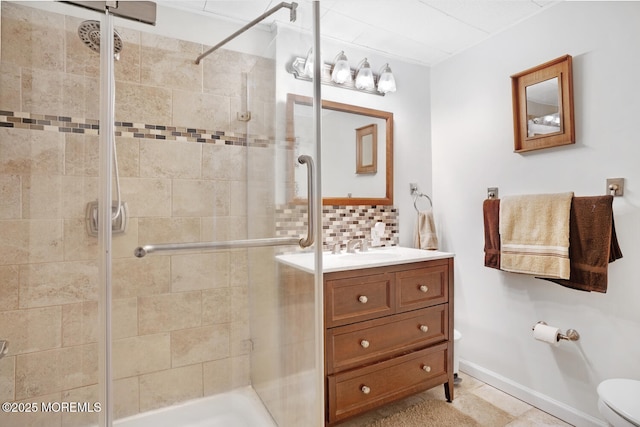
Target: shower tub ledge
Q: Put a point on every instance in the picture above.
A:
(238, 408)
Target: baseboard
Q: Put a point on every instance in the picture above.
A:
(543, 402)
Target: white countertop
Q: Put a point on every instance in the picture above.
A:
(375, 257)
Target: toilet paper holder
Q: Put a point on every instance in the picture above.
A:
(570, 335)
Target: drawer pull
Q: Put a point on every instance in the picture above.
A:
(364, 343)
(363, 299)
(426, 368)
(424, 328)
(424, 288)
(365, 389)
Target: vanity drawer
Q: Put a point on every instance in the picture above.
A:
(355, 299)
(374, 340)
(356, 391)
(422, 287)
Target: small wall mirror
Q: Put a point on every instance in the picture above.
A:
(543, 106)
(371, 181)
(367, 149)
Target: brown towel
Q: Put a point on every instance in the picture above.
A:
(592, 243)
(491, 213)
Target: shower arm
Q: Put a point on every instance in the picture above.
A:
(292, 17)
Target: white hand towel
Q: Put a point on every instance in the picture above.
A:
(425, 236)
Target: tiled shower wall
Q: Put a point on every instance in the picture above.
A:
(180, 322)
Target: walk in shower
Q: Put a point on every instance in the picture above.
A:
(200, 326)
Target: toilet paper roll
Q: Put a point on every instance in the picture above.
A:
(547, 334)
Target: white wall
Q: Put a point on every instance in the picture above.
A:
(472, 141)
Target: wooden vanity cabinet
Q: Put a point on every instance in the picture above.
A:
(388, 334)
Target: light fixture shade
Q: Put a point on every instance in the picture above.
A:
(341, 71)
(364, 76)
(386, 81)
(308, 64)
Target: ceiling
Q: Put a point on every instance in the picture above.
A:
(418, 31)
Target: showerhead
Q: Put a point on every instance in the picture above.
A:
(89, 33)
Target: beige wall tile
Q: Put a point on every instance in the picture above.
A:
(32, 330)
(11, 196)
(78, 244)
(80, 323)
(169, 312)
(238, 198)
(60, 369)
(224, 162)
(10, 87)
(172, 68)
(239, 267)
(166, 159)
(202, 111)
(147, 197)
(199, 198)
(216, 306)
(83, 395)
(28, 33)
(222, 72)
(58, 283)
(41, 197)
(225, 228)
(196, 345)
(240, 338)
(169, 230)
(80, 97)
(81, 155)
(34, 241)
(140, 355)
(78, 191)
(9, 287)
(123, 244)
(42, 91)
(199, 271)
(139, 277)
(125, 318)
(128, 152)
(79, 59)
(7, 378)
(165, 388)
(126, 395)
(128, 67)
(223, 375)
(142, 104)
(31, 152)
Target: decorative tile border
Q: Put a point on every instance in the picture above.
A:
(42, 122)
(340, 223)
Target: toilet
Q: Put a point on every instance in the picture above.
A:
(619, 402)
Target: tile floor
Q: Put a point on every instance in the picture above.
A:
(489, 406)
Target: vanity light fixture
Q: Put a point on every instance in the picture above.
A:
(386, 81)
(341, 71)
(364, 76)
(339, 74)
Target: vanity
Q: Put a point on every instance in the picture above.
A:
(388, 326)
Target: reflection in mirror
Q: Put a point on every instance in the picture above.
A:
(367, 149)
(342, 124)
(543, 108)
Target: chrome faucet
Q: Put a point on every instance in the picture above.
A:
(353, 243)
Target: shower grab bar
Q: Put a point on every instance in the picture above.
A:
(292, 17)
(141, 251)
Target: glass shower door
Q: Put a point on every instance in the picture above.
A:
(49, 268)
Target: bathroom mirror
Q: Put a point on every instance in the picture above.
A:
(367, 149)
(543, 106)
(371, 182)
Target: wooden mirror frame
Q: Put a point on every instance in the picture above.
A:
(562, 69)
(361, 133)
(293, 99)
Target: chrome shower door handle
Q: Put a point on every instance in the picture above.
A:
(308, 160)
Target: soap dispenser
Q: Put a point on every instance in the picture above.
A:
(377, 231)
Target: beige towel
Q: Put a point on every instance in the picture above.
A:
(534, 234)
(425, 233)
